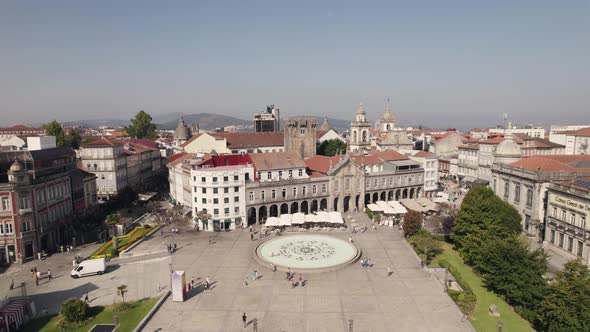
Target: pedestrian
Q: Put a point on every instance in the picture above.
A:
(287, 275)
(244, 318)
(36, 279)
(251, 236)
(254, 275)
(374, 227)
(49, 276)
(388, 271)
(12, 284)
(74, 263)
(350, 239)
(273, 268)
(362, 263)
(300, 280)
(246, 281)
(190, 287)
(61, 248)
(159, 287)
(86, 298)
(193, 281)
(207, 283)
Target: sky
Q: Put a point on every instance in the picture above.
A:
(442, 63)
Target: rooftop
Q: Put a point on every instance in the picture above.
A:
(276, 160)
(564, 163)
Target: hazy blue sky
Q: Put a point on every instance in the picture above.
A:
(442, 63)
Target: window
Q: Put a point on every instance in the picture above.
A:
(527, 222)
(570, 244)
(214, 179)
(236, 199)
(563, 215)
(304, 190)
(194, 178)
(300, 172)
(215, 212)
(237, 209)
(280, 174)
(262, 195)
(9, 229)
(225, 179)
(294, 191)
(391, 181)
(561, 240)
(553, 236)
(204, 201)
(583, 222)
(290, 173)
(580, 248)
(204, 190)
(226, 190)
(376, 182)
(529, 197)
(273, 194)
(517, 193)
(368, 183)
(251, 195)
(1, 228)
(506, 189)
(226, 211)
(572, 219)
(314, 188)
(236, 177)
(268, 175)
(5, 204)
(195, 199)
(554, 214)
(215, 190)
(323, 188)
(216, 201)
(383, 182)
(195, 189)
(258, 175)
(203, 179)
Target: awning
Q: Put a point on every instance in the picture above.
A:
(310, 218)
(427, 203)
(335, 218)
(374, 208)
(413, 205)
(272, 221)
(238, 219)
(387, 209)
(285, 220)
(323, 216)
(397, 207)
(298, 219)
(227, 220)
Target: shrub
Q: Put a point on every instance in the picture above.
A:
(122, 307)
(74, 310)
(425, 245)
(369, 213)
(412, 223)
(112, 252)
(465, 299)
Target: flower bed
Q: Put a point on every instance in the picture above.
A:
(124, 241)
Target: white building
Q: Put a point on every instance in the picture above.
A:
(577, 141)
(430, 164)
(556, 134)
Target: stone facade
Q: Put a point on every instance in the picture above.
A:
(300, 136)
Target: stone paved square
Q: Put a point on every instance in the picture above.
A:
(408, 300)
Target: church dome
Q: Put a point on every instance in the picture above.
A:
(388, 117)
(360, 110)
(508, 148)
(182, 132)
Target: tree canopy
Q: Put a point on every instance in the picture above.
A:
(54, 128)
(141, 126)
(567, 304)
(412, 223)
(331, 147)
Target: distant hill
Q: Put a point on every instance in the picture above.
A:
(337, 124)
(98, 123)
(205, 120)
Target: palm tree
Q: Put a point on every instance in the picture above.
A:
(113, 219)
(121, 290)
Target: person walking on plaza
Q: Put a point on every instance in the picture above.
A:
(193, 282)
(86, 298)
(36, 279)
(12, 284)
(49, 276)
(207, 283)
(388, 271)
(251, 237)
(246, 281)
(254, 275)
(244, 318)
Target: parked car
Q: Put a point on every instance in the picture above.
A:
(89, 267)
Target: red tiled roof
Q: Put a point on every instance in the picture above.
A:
(568, 163)
(142, 141)
(245, 140)
(424, 154)
(447, 134)
(367, 160)
(176, 156)
(179, 158)
(579, 132)
(388, 155)
(469, 146)
(103, 142)
(321, 164)
(20, 127)
(276, 160)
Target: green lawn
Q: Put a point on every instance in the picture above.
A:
(104, 315)
(481, 319)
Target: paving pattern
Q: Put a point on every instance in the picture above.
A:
(408, 300)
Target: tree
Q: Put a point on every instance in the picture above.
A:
(54, 128)
(113, 219)
(512, 270)
(426, 246)
(567, 304)
(73, 139)
(121, 290)
(74, 310)
(412, 223)
(331, 147)
(483, 216)
(141, 126)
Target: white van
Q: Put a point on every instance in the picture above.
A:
(88, 267)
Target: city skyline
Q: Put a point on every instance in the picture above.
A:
(458, 66)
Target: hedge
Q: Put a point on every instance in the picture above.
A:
(465, 299)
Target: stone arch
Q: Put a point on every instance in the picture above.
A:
(294, 207)
(262, 214)
(364, 136)
(273, 211)
(304, 207)
(367, 199)
(412, 193)
(354, 136)
(252, 216)
(418, 192)
(383, 197)
(405, 193)
(284, 208)
(314, 205)
(346, 203)
(390, 195)
(375, 197)
(397, 194)
(387, 127)
(324, 204)
(335, 204)
(357, 201)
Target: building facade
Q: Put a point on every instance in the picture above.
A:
(568, 210)
(360, 134)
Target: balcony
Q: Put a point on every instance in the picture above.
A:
(25, 211)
